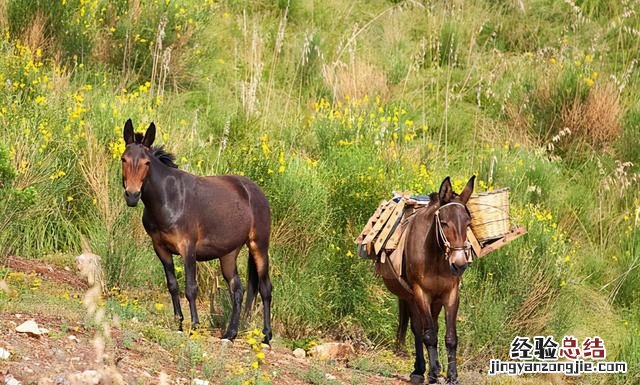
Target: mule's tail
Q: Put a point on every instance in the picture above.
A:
(403, 323)
(252, 286)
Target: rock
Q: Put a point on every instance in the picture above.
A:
(32, 328)
(60, 379)
(332, 351)
(46, 381)
(330, 377)
(59, 355)
(88, 377)
(10, 380)
(4, 354)
(197, 381)
(72, 338)
(226, 343)
(299, 353)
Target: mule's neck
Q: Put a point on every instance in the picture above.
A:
(163, 191)
(434, 252)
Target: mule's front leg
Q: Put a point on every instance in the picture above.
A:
(434, 371)
(191, 286)
(172, 283)
(420, 324)
(451, 340)
(431, 340)
(417, 376)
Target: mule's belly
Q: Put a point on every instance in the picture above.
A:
(396, 288)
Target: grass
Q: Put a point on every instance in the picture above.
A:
(541, 98)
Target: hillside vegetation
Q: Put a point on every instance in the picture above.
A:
(330, 106)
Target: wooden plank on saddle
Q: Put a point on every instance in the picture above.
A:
(392, 243)
(384, 216)
(408, 212)
(510, 237)
(391, 225)
(367, 228)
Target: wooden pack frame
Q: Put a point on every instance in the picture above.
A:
(383, 237)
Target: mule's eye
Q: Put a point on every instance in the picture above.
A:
(147, 162)
(124, 160)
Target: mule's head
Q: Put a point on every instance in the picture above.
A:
(136, 161)
(452, 220)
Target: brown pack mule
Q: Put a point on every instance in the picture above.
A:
(435, 256)
(200, 218)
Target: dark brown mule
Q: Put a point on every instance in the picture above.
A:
(436, 254)
(199, 218)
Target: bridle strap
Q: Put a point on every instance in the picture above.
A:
(445, 242)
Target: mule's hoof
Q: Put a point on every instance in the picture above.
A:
(416, 379)
(453, 382)
(229, 335)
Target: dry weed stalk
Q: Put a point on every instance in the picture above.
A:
(106, 371)
(535, 312)
(158, 75)
(94, 167)
(34, 34)
(596, 120)
(249, 88)
(4, 17)
(355, 80)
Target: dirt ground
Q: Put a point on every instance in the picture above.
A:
(151, 351)
(68, 349)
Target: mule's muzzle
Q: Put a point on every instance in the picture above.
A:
(132, 198)
(458, 270)
(458, 261)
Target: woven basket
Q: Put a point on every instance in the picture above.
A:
(490, 214)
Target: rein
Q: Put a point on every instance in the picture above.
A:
(445, 242)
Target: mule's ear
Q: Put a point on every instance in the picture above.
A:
(149, 136)
(128, 132)
(468, 190)
(446, 191)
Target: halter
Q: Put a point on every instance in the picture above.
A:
(445, 242)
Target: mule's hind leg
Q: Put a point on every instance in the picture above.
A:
(401, 332)
(252, 287)
(417, 327)
(260, 266)
(230, 274)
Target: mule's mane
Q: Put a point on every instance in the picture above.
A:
(167, 158)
